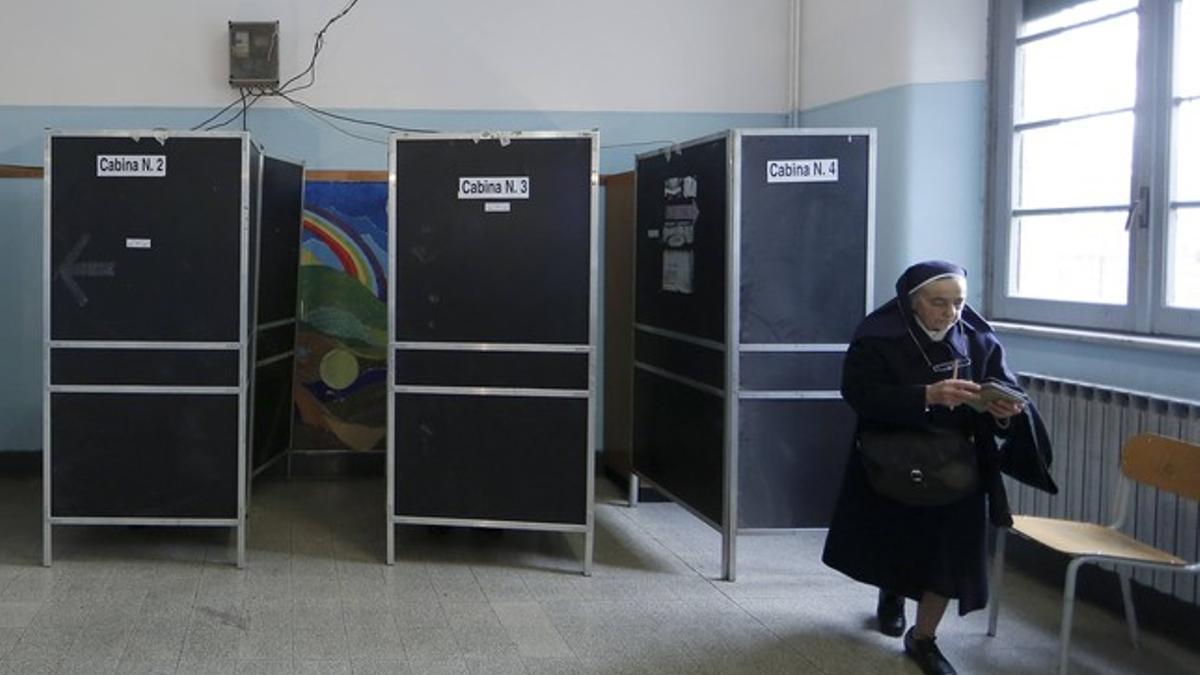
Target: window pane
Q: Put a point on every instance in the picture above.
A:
(1082, 163)
(1186, 146)
(1082, 257)
(1183, 260)
(1183, 237)
(1187, 46)
(1085, 70)
(1084, 11)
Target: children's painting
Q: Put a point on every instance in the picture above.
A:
(341, 345)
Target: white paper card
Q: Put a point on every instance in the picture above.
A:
(493, 187)
(802, 171)
(131, 166)
(134, 242)
(677, 271)
(497, 207)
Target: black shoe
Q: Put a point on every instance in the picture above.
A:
(890, 614)
(927, 655)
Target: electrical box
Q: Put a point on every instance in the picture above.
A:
(253, 54)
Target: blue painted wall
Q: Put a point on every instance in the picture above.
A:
(285, 132)
(929, 205)
(1172, 374)
(929, 201)
(20, 314)
(301, 135)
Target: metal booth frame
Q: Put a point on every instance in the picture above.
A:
(242, 346)
(259, 329)
(733, 348)
(591, 348)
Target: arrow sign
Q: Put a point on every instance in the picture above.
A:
(69, 268)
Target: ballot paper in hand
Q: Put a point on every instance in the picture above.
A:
(996, 391)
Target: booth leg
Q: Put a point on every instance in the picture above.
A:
(241, 544)
(46, 543)
(589, 546)
(391, 541)
(729, 555)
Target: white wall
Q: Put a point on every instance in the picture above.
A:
(914, 70)
(618, 55)
(855, 47)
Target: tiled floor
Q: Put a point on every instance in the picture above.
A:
(316, 598)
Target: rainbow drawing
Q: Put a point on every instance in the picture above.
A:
(340, 387)
(351, 252)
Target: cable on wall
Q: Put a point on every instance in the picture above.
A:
(318, 45)
(217, 114)
(286, 90)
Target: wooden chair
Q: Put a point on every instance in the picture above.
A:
(1157, 461)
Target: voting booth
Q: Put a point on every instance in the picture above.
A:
(754, 265)
(492, 332)
(153, 254)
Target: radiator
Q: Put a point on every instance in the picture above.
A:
(1087, 425)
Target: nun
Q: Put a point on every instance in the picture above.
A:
(916, 365)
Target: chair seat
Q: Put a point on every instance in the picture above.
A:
(1078, 539)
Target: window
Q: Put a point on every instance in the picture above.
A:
(1094, 189)
(1183, 238)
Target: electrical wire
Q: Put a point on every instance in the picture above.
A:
(635, 144)
(226, 122)
(339, 129)
(218, 113)
(346, 118)
(246, 105)
(286, 90)
(318, 45)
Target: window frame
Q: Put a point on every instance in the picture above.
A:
(1145, 310)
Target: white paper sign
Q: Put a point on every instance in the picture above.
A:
(497, 207)
(493, 187)
(677, 271)
(131, 166)
(136, 242)
(802, 171)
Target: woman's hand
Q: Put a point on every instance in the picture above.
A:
(1003, 410)
(950, 393)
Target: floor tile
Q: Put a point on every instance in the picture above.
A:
(316, 598)
(18, 614)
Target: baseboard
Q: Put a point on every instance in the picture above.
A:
(17, 462)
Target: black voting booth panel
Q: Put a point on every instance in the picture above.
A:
(148, 308)
(146, 301)
(493, 331)
(276, 266)
(754, 265)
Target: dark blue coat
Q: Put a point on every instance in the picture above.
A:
(911, 549)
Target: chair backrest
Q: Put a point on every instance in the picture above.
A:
(1165, 463)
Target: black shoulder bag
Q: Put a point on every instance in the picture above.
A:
(929, 467)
